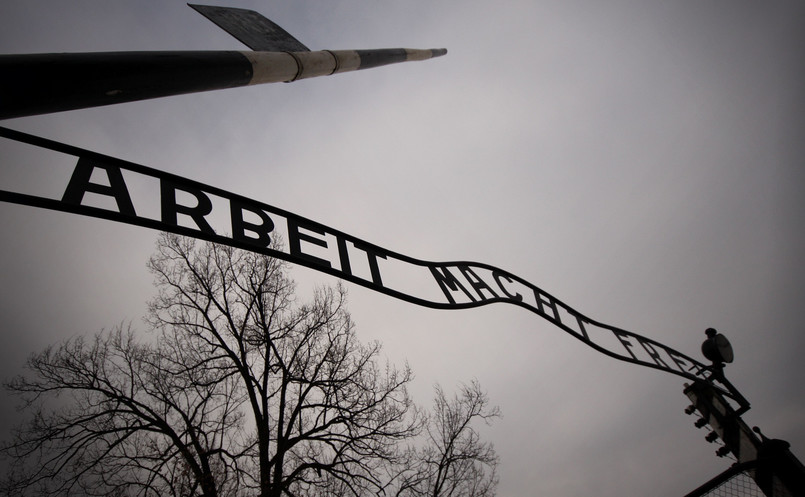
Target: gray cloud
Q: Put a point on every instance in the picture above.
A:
(641, 162)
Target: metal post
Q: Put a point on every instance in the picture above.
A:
(776, 471)
(43, 83)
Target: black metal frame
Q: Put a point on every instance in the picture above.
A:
(496, 285)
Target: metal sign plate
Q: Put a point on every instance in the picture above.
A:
(179, 205)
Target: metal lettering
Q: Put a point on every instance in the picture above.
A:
(476, 282)
(304, 235)
(240, 226)
(497, 275)
(448, 283)
(295, 238)
(171, 209)
(80, 184)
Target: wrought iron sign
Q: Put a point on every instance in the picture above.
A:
(102, 186)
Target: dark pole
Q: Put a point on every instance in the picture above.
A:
(42, 83)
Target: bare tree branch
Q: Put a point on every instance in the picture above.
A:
(453, 461)
(242, 391)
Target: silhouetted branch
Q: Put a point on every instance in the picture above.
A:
(241, 391)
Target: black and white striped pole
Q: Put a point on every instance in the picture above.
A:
(43, 83)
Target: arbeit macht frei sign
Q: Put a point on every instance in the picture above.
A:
(109, 188)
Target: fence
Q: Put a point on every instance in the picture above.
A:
(738, 481)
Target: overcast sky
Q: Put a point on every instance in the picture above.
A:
(642, 161)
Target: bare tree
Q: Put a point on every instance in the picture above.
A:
(453, 461)
(244, 391)
(137, 422)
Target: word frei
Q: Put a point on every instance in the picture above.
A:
(98, 187)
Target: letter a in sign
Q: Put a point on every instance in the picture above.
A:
(80, 184)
